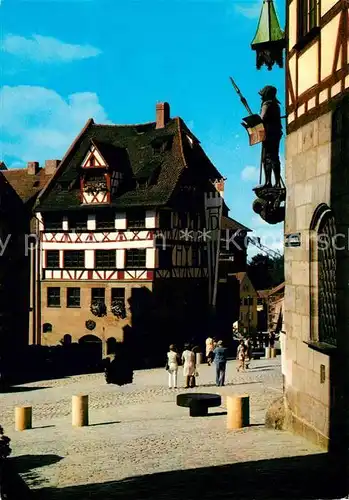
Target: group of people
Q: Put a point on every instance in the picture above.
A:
(189, 362)
(244, 354)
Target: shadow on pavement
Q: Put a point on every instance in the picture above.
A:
(299, 478)
(43, 427)
(227, 384)
(24, 463)
(105, 423)
(216, 413)
(14, 389)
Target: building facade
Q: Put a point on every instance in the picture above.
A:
(315, 361)
(248, 316)
(270, 309)
(122, 237)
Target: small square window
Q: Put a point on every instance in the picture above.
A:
(73, 297)
(98, 295)
(136, 219)
(117, 294)
(53, 222)
(78, 222)
(308, 16)
(74, 259)
(136, 257)
(54, 297)
(105, 221)
(52, 259)
(105, 259)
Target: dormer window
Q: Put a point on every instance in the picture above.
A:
(100, 177)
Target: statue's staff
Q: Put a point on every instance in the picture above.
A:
(242, 98)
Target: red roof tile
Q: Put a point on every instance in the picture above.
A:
(26, 185)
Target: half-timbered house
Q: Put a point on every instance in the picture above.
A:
(122, 236)
(316, 225)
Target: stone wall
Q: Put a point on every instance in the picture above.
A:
(71, 320)
(308, 180)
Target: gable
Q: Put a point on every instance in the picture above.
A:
(246, 285)
(93, 158)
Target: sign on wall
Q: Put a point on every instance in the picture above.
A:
(293, 240)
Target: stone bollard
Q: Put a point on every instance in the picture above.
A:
(23, 418)
(238, 411)
(267, 352)
(272, 352)
(80, 411)
(199, 358)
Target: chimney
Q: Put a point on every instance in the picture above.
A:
(33, 167)
(51, 166)
(162, 114)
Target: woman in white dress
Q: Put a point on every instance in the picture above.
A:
(172, 367)
(209, 350)
(189, 366)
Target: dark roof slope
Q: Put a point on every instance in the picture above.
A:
(10, 202)
(26, 185)
(144, 154)
(229, 223)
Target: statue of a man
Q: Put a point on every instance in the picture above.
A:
(271, 116)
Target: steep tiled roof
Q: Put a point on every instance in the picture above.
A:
(240, 276)
(26, 185)
(158, 156)
(271, 291)
(229, 223)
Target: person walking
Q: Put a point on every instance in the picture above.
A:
(172, 367)
(248, 352)
(271, 340)
(220, 360)
(241, 355)
(189, 366)
(209, 350)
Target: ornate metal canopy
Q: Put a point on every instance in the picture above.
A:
(269, 40)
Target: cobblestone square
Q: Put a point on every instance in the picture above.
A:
(137, 430)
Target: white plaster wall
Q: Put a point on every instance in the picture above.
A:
(120, 220)
(61, 259)
(120, 259)
(91, 222)
(150, 258)
(150, 219)
(40, 219)
(107, 245)
(65, 225)
(89, 259)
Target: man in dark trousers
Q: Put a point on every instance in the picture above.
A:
(220, 360)
(271, 116)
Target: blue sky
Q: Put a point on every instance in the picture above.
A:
(63, 61)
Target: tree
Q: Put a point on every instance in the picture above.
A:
(266, 272)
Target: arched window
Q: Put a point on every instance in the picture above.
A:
(323, 287)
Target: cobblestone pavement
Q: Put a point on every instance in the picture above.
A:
(137, 430)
